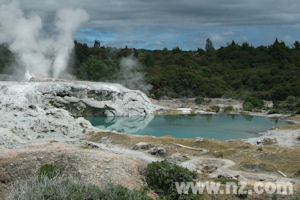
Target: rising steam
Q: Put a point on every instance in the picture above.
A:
(37, 53)
(131, 76)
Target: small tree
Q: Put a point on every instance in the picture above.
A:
(176, 50)
(297, 45)
(209, 47)
(97, 44)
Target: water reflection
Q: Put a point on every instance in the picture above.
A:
(220, 126)
(122, 124)
(248, 117)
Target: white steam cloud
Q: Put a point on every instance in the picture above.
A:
(36, 52)
(131, 76)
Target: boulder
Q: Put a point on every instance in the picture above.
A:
(158, 151)
(199, 140)
(226, 176)
(267, 141)
(142, 146)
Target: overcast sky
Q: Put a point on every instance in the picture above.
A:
(155, 24)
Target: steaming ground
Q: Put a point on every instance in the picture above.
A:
(37, 53)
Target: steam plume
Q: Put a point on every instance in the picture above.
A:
(131, 76)
(37, 54)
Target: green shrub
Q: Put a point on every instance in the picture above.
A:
(199, 100)
(56, 188)
(291, 103)
(215, 108)
(242, 196)
(219, 154)
(251, 103)
(248, 106)
(161, 177)
(228, 109)
(274, 111)
(118, 192)
(291, 100)
(50, 171)
(224, 180)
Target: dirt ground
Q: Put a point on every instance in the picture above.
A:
(107, 157)
(79, 162)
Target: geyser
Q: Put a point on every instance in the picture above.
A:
(37, 53)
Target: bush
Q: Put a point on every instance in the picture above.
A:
(50, 171)
(251, 103)
(58, 189)
(224, 180)
(215, 108)
(274, 111)
(219, 154)
(291, 100)
(161, 177)
(291, 103)
(248, 106)
(48, 185)
(228, 109)
(199, 100)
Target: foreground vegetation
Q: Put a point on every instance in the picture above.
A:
(49, 185)
(161, 177)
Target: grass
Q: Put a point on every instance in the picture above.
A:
(295, 118)
(50, 171)
(225, 180)
(43, 188)
(228, 109)
(272, 156)
(288, 127)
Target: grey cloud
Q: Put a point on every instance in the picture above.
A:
(173, 13)
(168, 23)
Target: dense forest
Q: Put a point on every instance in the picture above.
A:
(268, 72)
(237, 70)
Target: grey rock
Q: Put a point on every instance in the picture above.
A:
(158, 151)
(32, 107)
(225, 176)
(199, 140)
(142, 146)
(266, 141)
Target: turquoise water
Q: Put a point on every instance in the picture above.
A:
(221, 126)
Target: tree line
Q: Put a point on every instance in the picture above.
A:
(236, 70)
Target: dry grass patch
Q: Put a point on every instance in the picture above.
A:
(288, 127)
(295, 118)
(268, 158)
(214, 146)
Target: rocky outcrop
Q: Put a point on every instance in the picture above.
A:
(37, 110)
(142, 146)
